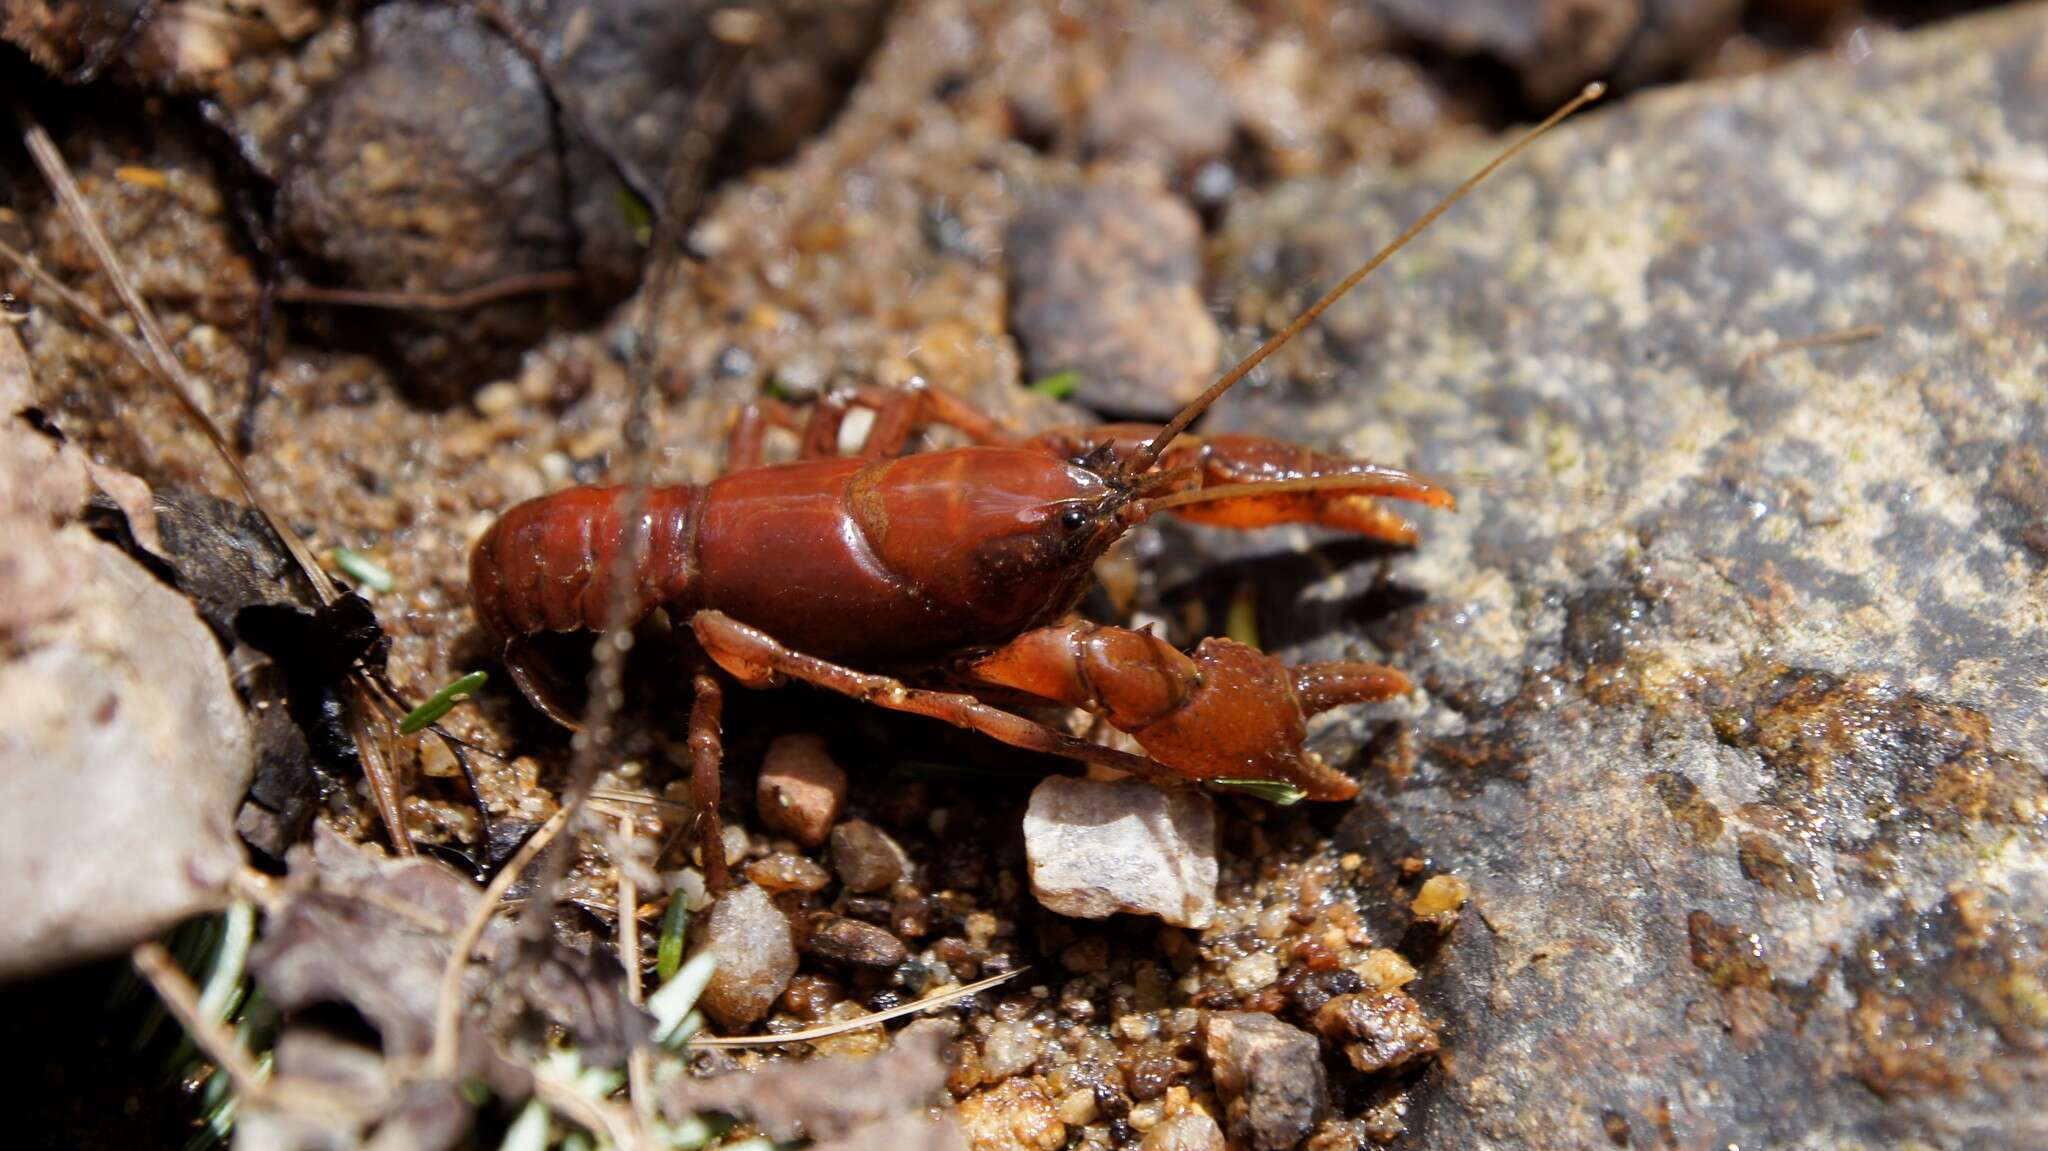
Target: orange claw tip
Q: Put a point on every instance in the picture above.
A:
(1323, 783)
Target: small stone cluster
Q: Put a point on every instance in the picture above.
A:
(1252, 1009)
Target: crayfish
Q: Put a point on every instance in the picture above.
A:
(936, 582)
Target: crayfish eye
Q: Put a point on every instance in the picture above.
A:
(1074, 519)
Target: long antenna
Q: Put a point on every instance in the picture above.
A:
(1149, 454)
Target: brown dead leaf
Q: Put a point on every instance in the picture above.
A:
(834, 1097)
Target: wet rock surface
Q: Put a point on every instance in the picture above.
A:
(1377, 1030)
(1097, 849)
(1732, 719)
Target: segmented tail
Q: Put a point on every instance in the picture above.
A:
(547, 564)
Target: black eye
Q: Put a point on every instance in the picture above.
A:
(1074, 519)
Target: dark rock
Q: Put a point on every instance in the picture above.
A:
(1378, 1030)
(1105, 282)
(1270, 1076)
(443, 160)
(865, 857)
(433, 167)
(1758, 716)
(851, 941)
(1555, 46)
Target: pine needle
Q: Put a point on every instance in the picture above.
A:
(828, 1030)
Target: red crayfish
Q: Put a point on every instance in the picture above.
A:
(934, 582)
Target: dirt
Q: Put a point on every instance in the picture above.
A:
(877, 253)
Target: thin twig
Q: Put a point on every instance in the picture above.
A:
(639, 1061)
(463, 300)
(168, 370)
(1855, 335)
(448, 1011)
(828, 1030)
(79, 305)
(634, 799)
(181, 999)
(684, 185)
(368, 731)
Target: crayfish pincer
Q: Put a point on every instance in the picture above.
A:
(937, 582)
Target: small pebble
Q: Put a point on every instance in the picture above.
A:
(785, 872)
(498, 399)
(1146, 1116)
(1440, 898)
(756, 951)
(1016, 1116)
(1386, 970)
(1270, 1076)
(1378, 1030)
(865, 857)
(1009, 1049)
(851, 941)
(1096, 849)
(1078, 1108)
(1246, 975)
(801, 788)
(1190, 1130)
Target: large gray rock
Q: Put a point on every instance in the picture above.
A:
(1734, 708)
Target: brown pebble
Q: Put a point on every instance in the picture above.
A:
(1440, 898)
(851, 941)
(1086, 955)
(1270, 1076)
(865, 857)
(911, 915)
(1017, 1116)
(801, 789)
(785, 872)
(810, 996)
(1379, 1030)
(1151, 1075)
(963, 957)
